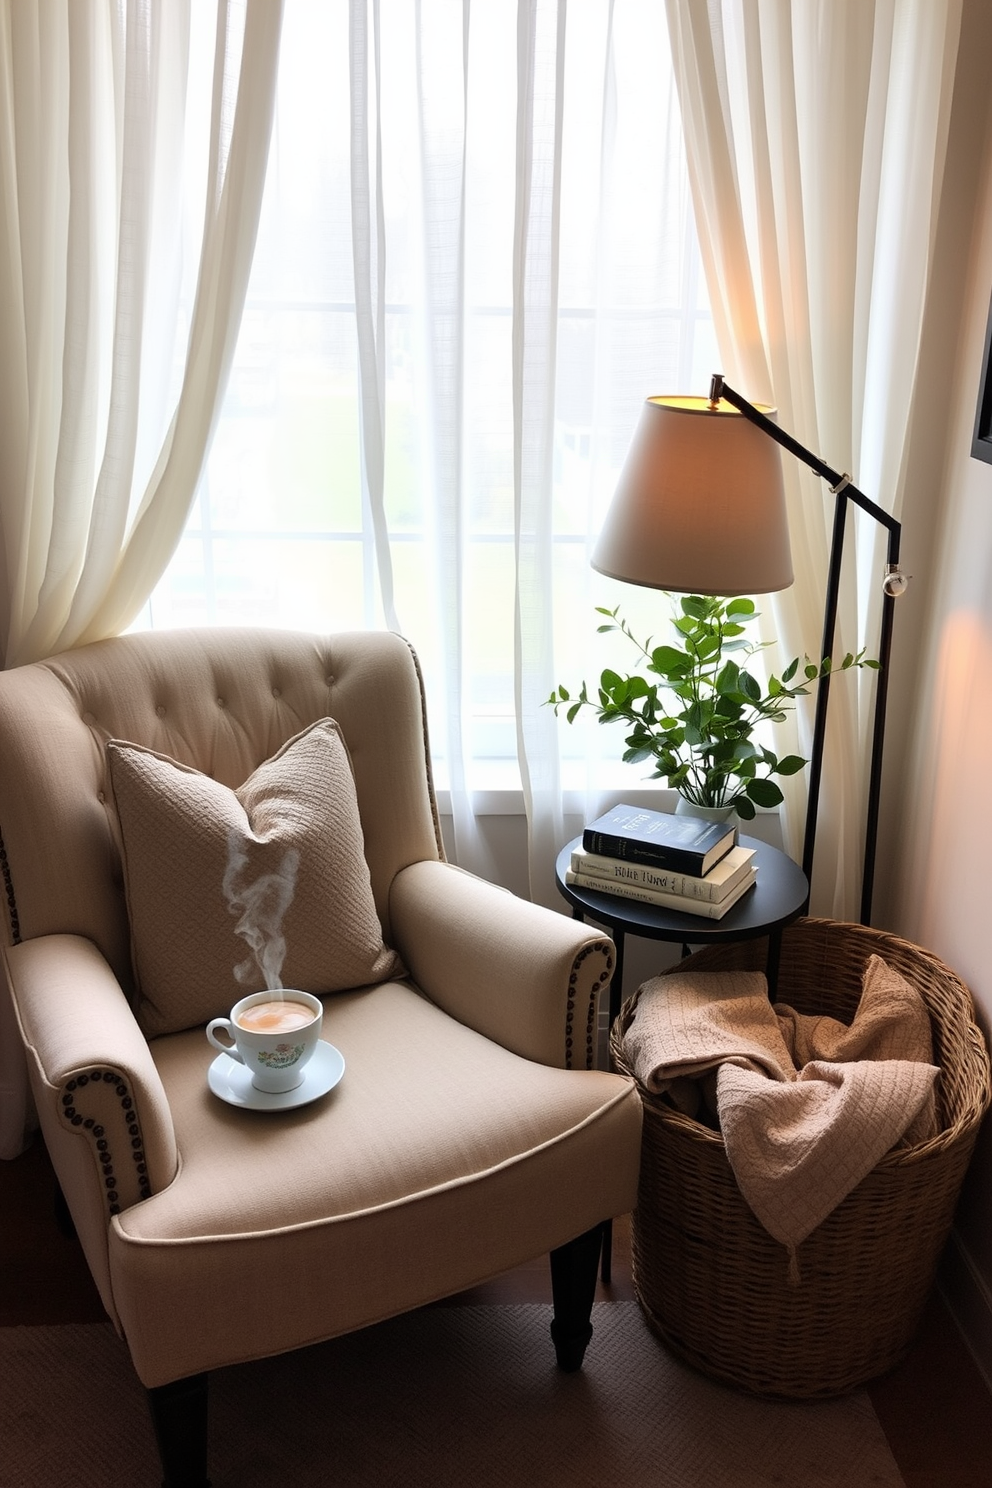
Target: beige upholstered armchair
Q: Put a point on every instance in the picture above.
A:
(469, 1131)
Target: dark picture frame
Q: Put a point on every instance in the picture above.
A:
(981, 444)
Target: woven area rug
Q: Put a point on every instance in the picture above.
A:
(450, 1397)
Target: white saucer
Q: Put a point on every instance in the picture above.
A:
(229, 1079)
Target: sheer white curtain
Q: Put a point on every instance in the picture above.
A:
(815, 133)
(108, 393)
(475, 260)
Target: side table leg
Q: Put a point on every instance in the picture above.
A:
(616, 981)
(772, 963)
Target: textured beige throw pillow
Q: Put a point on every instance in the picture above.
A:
(231, 891)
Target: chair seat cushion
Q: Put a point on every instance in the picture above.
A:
(232, 891)
(373, 1199)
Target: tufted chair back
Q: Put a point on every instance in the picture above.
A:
(221, 701)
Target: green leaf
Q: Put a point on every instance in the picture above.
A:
(790, 670)
(669, 662)
(744, 749)
(573, 710)
(750, 688)
(791, 765)
(696, 605)
(764, 792)
(744, 809)
(741, 606)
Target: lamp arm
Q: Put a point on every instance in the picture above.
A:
(843, 491)
(837, 482)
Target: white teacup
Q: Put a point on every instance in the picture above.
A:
(273, 1034)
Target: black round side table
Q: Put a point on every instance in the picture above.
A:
(779, 896)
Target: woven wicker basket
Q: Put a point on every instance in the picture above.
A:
(713, 1283)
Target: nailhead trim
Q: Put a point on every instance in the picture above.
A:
(98, 1132)
(8, 886)
(601, 981)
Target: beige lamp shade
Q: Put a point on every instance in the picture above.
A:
(700, 505)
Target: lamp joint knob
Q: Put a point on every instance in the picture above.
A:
(895, 581)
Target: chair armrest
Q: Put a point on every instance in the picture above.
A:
(522, 975)
(91, 1069)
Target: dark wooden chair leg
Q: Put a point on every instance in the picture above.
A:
(573, 1290)
(179, 1415)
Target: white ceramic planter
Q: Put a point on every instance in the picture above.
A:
(708, 813)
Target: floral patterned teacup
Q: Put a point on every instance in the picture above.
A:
(273, 1034)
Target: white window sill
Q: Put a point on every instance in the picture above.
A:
(509, 801)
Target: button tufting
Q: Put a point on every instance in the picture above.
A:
(221, 703)
(329, 681)
(277, 692)
(101, 797)
(160, 711)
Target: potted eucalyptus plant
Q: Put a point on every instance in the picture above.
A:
(696, 714)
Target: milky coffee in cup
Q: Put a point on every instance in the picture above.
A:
(274, 1017)
(274, 1035)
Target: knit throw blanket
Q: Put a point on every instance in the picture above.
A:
(807, 1105)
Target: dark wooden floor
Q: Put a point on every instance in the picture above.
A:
(934, 1409)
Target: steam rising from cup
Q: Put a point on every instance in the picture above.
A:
(261, 904)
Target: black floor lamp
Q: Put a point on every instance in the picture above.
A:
(700, 509)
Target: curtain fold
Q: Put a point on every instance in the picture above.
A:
(96, 482)
(442, 56)
(815, 136)
(540, 68)
(369, 257)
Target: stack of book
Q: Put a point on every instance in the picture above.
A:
(679, 862)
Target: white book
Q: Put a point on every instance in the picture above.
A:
(705, 908)
(713, 886)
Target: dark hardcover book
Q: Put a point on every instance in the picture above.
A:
(686, 843)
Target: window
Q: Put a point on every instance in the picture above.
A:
(283, 528)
